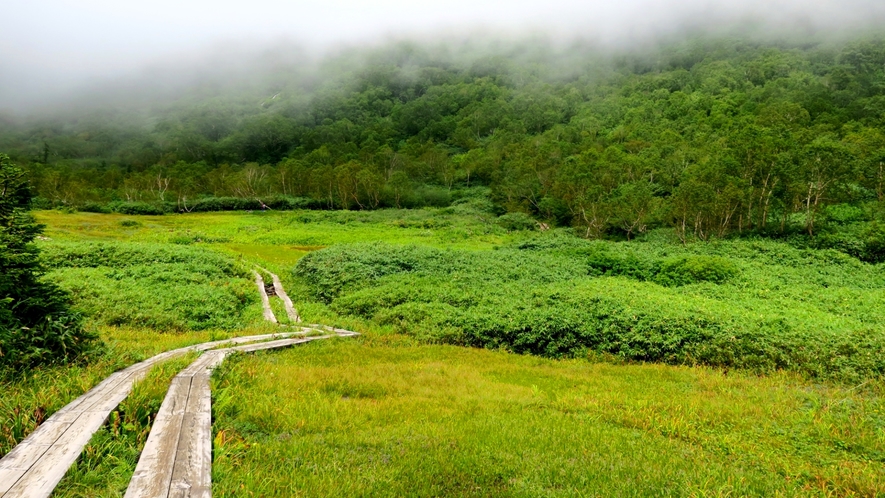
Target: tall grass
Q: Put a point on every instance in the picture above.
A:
(343, 418)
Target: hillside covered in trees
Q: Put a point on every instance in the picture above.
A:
(712, 137)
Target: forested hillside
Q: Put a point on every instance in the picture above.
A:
(712, 137)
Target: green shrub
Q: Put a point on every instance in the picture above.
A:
(844, 213)
(817, 312)
(124, 254)
(138, 208)
(166, 287)
(224, 204)
(36, 324)
(874, 243)
(338, 267)
(687, 270)
(96, 207)
(428, 195)
(864, 241)
(601, 262)
(513, 222)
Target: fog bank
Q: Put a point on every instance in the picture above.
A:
(53, 49)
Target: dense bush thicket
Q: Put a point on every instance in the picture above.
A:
(708, 136)
(202, 205)
(757, 304)
(160, 286)
(36, 324)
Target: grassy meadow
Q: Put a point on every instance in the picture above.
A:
(386, 417)
(494, 361)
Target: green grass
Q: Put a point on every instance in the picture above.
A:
(395, 413)
(286, 231)
(276, 239)
(369, 417)
(162, 286)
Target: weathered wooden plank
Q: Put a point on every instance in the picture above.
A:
(56, 441)
(206, 362)
(290, 308)
(265, 301)
(64, 437)
(192, 471)
(326, 328)
(40, 480)
(153, 474)
(47, 453)
(278, 344)
(186, 470)
(12, 470)
(165, 447)
(255, 338)
(25, 454)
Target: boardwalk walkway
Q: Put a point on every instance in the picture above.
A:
(176, 460)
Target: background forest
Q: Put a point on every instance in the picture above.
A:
(712, 137)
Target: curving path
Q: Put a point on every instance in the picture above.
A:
(176, 460)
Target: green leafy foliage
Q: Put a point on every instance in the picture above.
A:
(516, 222)
(740, 136)
(695, 269)
(163, 286)
(36, 325)
(764, 306)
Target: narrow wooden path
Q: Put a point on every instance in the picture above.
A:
(291, 312)
(265, 300)
(176, 460)
(177, 457)
(35, 466)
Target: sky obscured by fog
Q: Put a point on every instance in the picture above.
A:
(48, 47)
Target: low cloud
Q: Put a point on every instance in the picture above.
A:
(51, 48)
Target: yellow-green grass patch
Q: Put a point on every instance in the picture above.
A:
(369, 418)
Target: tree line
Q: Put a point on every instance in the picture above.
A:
(712, 137)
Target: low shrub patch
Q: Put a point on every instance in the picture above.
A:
(759, 305)
(167, 287)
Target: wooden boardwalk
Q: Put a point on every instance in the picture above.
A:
(290, 308)
(291, 312)
(176, 460)
(35, 466)
(177, 457)
(265, 300)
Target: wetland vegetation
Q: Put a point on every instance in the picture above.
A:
(634, 274)
(561, 400)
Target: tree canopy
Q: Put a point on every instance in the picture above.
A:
(710, 136)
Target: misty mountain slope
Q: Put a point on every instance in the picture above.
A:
(709, 135)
